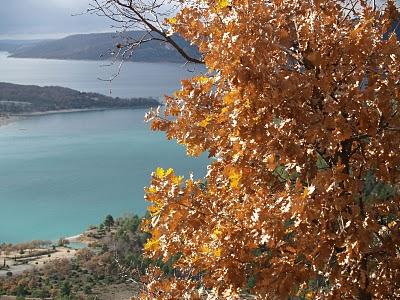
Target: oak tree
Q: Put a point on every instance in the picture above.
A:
(299, 111)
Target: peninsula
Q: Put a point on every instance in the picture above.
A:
(30, 99)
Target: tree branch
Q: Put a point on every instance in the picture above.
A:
(137, 15)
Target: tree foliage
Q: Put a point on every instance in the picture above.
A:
(109, 221)
(300, 111)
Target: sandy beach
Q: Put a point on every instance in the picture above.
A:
(87, 237)
(4, 120)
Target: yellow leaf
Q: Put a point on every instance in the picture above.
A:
(152, 190)
(152, 244)
(310, 295)
(171, 21)
(234, 177)
(289, 230)
(160, 173)
(177, 179)
(224, 110)
(154, 210)
(392, 224)
(203, 79)
(221, 4)
(169, 171)
(205, 249)
(217, 252)
(229, 98)
(216, 232)
(205, 122)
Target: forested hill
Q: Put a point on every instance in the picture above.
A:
(101, 46)
(17, 99)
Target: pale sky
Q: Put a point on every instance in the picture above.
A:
(32, 19)
(24, 19)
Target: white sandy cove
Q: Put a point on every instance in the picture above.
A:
(75, 238)
(4, 120)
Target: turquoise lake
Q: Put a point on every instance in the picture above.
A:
(61, 173)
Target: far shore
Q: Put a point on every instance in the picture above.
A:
(5, 120)
(61, 111)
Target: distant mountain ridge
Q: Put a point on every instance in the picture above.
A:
(100, 46)
(22, 99)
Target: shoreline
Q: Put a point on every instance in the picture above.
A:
(5, 120)
(61, 111)
(86, 237)
(75, 238)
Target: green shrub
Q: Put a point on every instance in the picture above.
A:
(39, 293)
(87, 290)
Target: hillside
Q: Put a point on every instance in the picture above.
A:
(18, 99)
(88, 273)
(101, 46)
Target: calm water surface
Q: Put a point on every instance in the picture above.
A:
(134, 80)
(60, 173)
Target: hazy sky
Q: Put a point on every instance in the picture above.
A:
(47, 18)
(26, 19)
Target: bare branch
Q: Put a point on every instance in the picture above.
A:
(143, 15)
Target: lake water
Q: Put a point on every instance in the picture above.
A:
(134, 80)
(61, 173)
